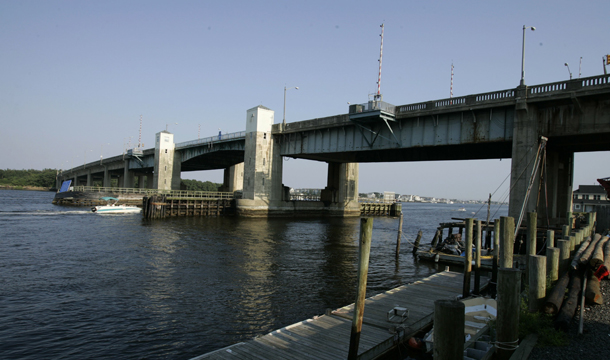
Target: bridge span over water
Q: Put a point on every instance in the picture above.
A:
(573, 115)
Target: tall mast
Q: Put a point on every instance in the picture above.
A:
(378, 96)
(451, 87)
(140, 135)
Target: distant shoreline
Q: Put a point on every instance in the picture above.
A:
(32, 188)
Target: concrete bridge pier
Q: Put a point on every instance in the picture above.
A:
(559, 177)
(553, 198)
(128, 176)
(166, 175)
(233, 179)
(342, 187)
(263, 191)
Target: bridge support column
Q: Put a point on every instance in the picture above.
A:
(106, 182)
(342, 187)
(167, 163)
(89, 178)
(558, 194)
(149, 181)
(128, 176)
(233, 179)
(262, 183)
(526, 137)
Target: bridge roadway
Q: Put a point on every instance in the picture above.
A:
(574, 115)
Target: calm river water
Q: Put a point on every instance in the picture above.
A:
(78, 285)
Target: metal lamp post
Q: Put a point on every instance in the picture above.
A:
(284, 120)
(568, 66)
(522, 83)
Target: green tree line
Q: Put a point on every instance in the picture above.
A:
(42, 178)
(196, 185)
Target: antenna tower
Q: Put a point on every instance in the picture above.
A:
(140, 135)
(378, 96)
(451, 87)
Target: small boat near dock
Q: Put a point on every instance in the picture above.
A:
(113, 208)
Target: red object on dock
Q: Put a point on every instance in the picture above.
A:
(601, 272)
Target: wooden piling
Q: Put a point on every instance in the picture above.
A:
(550, 238)
(507, 238)
(552, 262)
(364, 250)
(417, 240)
(537, 282)
(566, 231)
(509, 287)
(449, 320)
(477, 259)
(564, 255)
(468, 258)
(399, 237)
(532, 223)
(496, 250)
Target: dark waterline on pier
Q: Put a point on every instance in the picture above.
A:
(76, 285)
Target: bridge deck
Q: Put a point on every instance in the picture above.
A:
(327, 336)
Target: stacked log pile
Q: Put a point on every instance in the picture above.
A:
(589, 265)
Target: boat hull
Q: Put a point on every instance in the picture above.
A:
(121, 209)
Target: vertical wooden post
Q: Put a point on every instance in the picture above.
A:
(572, 240)
(477, 259)
(550, 238)
(537, 282)
(468, 258)
(552, 262)
(507, 238)
(565, 231)
(364, 250)
(570, 221)
(448, 329)
(509, 287)
(417, 240)
(399, 237)
(530, 242)
(496, 250)
(532, 223)
(564, 255)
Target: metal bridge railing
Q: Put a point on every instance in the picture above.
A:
(235, 135)
(503, 95)
(172, 193)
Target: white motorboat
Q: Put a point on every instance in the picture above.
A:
(113, 208)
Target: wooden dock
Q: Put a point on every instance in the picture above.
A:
(327, 336)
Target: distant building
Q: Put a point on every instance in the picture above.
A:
(588, 198)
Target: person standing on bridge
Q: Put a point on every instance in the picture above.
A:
(219, 134)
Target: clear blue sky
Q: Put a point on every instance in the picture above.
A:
(75, 76)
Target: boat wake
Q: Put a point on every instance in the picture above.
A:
(43, 213)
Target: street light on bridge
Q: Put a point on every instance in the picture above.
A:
(568, 66)
(284, 120)
(522, 83)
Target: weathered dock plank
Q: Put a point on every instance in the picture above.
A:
(327, 336)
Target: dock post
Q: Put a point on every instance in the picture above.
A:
(364, 250)
(532, 220)
(468, 258)
(550, 238)
(507, 321)
(530, 241)
(565, 231)
(507, 237)
(448, 329)
(564, 255)
(552, 262)
(398, 238)
(496, 250)
(417, 240)
(477, 259)
(537, 282)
